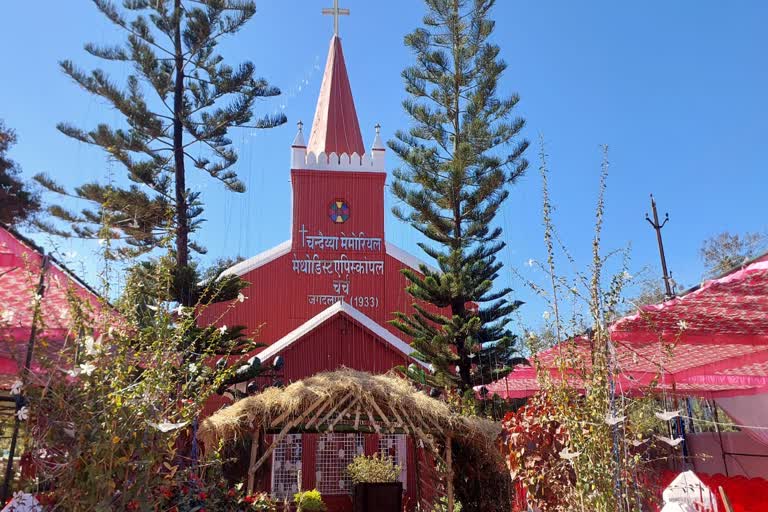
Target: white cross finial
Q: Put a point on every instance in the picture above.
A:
(335, 11)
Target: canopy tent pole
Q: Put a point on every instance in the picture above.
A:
(720, 437)
(24, 374)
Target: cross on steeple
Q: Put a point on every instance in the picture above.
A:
(335, 11)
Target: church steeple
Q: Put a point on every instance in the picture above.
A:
(336, 128)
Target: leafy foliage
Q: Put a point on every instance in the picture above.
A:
(17, 202)
(309, 501)
(725, 251)
(582, 445)
(178, 105)
(532, 440)
(459, 157)
(374, 469)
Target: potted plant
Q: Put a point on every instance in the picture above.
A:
(375, 484)
(309, 501)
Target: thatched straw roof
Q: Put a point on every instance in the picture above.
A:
(345, 400)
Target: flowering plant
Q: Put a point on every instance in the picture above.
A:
(261, 501)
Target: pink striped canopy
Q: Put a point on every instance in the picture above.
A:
(711, 341)
(20, 267)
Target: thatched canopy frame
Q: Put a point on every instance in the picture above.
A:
(349, 401)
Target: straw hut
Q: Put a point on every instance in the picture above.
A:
(317, 425)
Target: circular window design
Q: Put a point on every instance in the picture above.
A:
(338, 211)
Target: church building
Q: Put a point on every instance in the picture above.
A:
(322, 299)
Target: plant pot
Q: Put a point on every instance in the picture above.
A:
(377, 497)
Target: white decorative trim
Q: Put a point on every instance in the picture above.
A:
(301, 159)
(259, 260)
(328, 313)
(409, 259)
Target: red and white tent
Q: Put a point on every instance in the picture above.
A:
(21, 265)
(711, 341)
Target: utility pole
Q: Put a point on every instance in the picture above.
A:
(657, 227)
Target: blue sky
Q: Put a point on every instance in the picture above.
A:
(676, 89)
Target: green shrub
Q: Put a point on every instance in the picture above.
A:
(376, 469)
(309, 501)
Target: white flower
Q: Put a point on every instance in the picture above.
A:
(612, 419)
(667, 415)
(241, 297)
(165, 426)
(682, 324)
(567, 454)
(23, 413)
(74, 372)
(92, 347)
(223, 330)
(87, 368)
(546, 315)
(179, 310)
(671, 442)
(192, 368)
(626, 275)
(7, 316)
(530, 262)
(16, 388)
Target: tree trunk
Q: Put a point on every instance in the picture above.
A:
(182, 221)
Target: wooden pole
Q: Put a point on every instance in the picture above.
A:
(449, 465)
(254, 454)
(726, 501)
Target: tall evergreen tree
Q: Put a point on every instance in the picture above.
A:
(459, 156)
(178, 104)
(17, 202)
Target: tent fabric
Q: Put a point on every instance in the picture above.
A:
(712, 341)
(20, 267)
(748, 410)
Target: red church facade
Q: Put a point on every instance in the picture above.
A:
(322, 300)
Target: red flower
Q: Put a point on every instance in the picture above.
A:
(203, 496)
(133, 505)
(232, 493)
(249, 499)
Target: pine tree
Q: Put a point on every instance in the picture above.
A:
(179, 102)
(459, 156)
(17, 202)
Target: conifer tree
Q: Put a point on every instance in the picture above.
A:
(459, 157)
(178, 104)
(17, 202)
